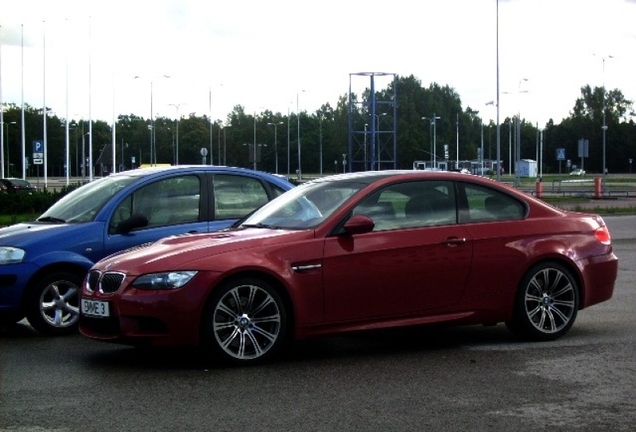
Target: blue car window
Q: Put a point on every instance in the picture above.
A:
(237, 196)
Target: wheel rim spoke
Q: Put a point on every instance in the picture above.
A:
(246, 322)
(551, 323)
(222, 307)
(565, 290)
(268, 301)
(271, 337)
(550, 300)
(560, 314)
(56, 304)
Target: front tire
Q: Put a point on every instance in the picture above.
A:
(53, 306)
(546, 303)
(245, 322)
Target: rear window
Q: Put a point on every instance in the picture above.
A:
(485, 204)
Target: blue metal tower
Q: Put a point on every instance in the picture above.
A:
(372, 125)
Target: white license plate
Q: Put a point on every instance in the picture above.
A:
(95, 308)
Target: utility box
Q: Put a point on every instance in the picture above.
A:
(526, 168)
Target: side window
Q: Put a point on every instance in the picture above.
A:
(165, 202)
(486, 204)
(278, 191)
(235, 196)
(411, 205)
(433, 203)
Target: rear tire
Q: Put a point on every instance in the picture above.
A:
(245, 322)
(52, 307)
(546, 303)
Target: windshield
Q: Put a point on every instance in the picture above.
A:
(84, 203)
(305, 206)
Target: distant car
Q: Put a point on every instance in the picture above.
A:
(577, 172)
(355, 252)
(43, 263)
(14, 185)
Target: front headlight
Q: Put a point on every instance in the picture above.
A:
(11, 255)
(163, 281)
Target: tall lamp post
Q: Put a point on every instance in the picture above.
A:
(176, 152)
(517, 148)
(365, 147)
(432, 123)
(123, 162)
(300, 173)
(604, 127)
(225, 128)
(275, 142)
(320, 142)
(491, 103)
(153, 144)
(151, 128)
(254, 150)
(8, 173)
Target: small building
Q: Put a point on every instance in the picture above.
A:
(526, 168)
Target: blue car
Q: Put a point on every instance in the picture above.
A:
(43, 263)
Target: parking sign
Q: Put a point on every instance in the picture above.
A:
(38, 150)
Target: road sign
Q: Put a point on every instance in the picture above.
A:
(560, 154)
(38, 161)
(38, 146)
(584, 146)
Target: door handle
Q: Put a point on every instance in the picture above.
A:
(455, 241)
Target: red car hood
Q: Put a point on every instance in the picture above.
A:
(172, 253)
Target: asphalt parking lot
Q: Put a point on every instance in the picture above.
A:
(467, 378)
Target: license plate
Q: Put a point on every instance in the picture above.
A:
(95, 308)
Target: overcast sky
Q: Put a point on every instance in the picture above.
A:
(271, 54)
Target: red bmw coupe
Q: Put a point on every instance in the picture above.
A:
(356, 252)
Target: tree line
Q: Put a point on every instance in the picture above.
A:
(324, 135)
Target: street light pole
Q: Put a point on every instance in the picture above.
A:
(364, 167)
(435, 139)
(275, 142)
(123, 162)
(481, 153)
(321, 117)
(300, 175)
(432, 123)
(8, 174)
(176, 155)
(430, 140)
(153, 148)
(254, 150)
(288, 140)
(604, 127)
(225, 145)
(517, 147)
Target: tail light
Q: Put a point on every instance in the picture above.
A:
(602, 234)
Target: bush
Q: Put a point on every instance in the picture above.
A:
(37, 203)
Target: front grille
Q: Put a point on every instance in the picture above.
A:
(111, 282)
(93, 280)
(106, 283)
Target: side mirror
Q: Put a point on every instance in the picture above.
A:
(135, 221)
(358, 224)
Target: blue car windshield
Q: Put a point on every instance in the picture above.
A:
(82, 204)
(305, 206)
